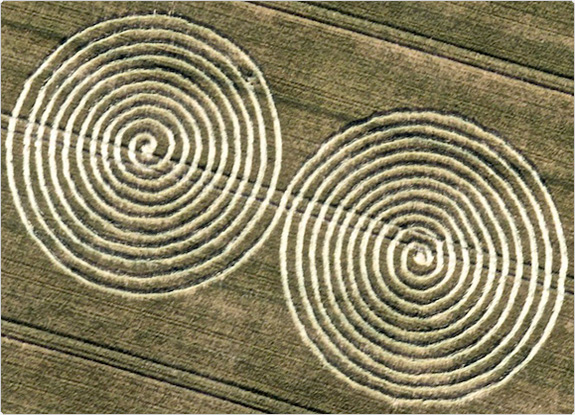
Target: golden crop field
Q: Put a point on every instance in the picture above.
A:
(233, 207)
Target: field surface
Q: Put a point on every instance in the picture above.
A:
(349, 207)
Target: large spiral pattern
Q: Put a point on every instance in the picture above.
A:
(422, 257)
(143, 154)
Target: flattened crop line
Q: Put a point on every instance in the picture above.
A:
(150, 368)
(404, 38)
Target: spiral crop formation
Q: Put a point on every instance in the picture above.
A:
(422, 257)
(149, 151)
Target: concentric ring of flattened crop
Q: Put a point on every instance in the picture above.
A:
(422, 257)
(143, 154)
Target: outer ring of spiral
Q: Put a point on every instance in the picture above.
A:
(381, 330)
(170, 77)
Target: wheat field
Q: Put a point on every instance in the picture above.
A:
(349, 207)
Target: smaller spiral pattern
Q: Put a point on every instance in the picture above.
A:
(149, 155)
(422, 257)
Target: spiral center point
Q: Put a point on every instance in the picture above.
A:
(148, 150)
(421, 258)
